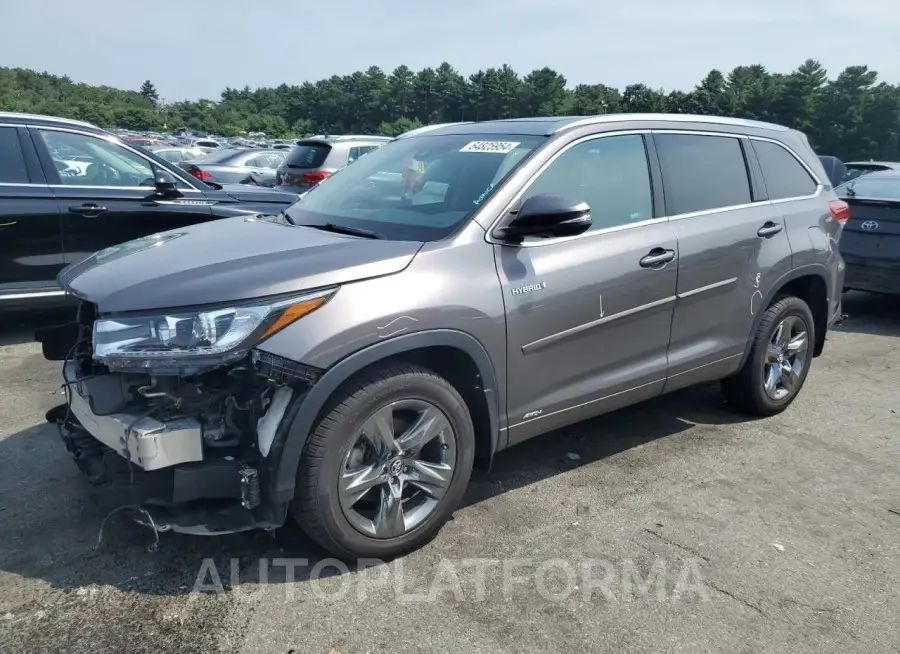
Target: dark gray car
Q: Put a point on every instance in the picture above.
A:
(449, 295)
(871, 242)
(237, 166)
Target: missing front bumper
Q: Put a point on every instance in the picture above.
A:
(144, 441)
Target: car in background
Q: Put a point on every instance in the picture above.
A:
(870, 244)
(147, 143)
(207, 145)
(69, 189)
(237, 166)
(178, 155)
(858, 168)
(317, 158)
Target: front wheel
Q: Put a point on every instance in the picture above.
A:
(386, 467)
(778, 362)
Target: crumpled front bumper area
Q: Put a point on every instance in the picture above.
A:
(161, 467)
(209, 497)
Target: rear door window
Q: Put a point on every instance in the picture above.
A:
(785, 177)
(308, 155)
(701, 172)
(12, 161)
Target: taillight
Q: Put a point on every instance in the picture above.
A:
(200, 174)
(840, 210)
(310, 179)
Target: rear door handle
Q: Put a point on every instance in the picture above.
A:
(657, 257)
(88, 210)
(769, 229)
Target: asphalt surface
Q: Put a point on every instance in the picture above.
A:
(775, 535)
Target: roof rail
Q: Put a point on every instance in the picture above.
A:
(55, 119)
(428, 128)
(680, 118)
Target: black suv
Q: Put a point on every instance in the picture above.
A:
(69, 189)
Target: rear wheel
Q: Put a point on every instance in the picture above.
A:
(385, 468)
(779, 360)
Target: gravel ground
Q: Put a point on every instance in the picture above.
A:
(673, 526)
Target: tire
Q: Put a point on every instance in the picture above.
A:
(746, 390)
(320, 506)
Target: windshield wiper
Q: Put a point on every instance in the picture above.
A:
(345, 229)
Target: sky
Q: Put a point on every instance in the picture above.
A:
(195, 48)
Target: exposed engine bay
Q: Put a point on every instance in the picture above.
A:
(175, 439)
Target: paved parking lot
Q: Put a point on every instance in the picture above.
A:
(771, 535)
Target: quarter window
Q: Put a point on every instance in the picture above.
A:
(12, 162)
(610, 174)
(785, 177)
(83, 160)
(701, 172)
(357, 151)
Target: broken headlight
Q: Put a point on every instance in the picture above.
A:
(219, 331)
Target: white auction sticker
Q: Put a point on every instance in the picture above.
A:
(491, 147)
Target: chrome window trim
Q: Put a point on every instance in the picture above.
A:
(552, 241)
(114, 140)
(693, 214)
(820, 186)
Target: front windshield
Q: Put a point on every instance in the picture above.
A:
(418, 188)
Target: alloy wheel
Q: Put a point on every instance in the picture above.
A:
(786, 358)
(398, 469)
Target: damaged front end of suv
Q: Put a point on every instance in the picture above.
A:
(180, 409)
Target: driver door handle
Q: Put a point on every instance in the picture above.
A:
(769, 229)
(88, 210)
(657, 257)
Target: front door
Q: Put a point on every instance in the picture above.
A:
(106, 193)
(588, 317)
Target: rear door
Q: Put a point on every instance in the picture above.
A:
(732, 246)
(30, 232)
(870, 243)
(109, 197)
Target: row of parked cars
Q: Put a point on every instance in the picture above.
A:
(345, 357)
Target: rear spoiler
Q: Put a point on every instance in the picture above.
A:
(834, 168)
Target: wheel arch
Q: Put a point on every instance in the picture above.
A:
(451, 353)
(811, 284)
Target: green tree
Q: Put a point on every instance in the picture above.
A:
(149, 91)
(852, 115)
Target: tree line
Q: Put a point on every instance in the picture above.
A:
(852, 116)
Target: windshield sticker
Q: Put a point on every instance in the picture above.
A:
(490, 147)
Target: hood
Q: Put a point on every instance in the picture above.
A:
(250, 193)
(225, 261)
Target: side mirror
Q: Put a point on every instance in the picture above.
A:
(165, 184)
(546, 216)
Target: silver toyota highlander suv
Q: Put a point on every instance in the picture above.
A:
(451, 294)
